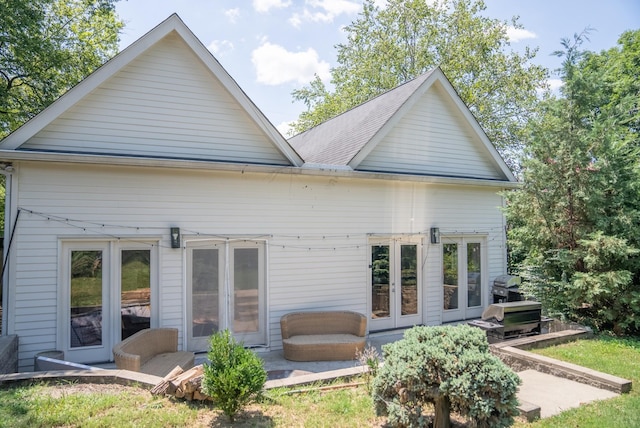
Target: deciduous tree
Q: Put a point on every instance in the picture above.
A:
(48, 46)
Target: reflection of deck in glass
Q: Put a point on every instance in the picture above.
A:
(205, 314)
(409, 299)
(86, 326)
(245, 311)
(380, 301)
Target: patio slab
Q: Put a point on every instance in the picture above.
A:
(554, 394)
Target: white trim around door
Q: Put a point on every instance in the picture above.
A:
(108, 291)
(464, 277)
(225, 289)
(395, 282)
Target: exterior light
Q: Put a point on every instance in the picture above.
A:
(435, 235)
(175, 237)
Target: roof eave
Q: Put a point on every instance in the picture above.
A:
(9, 156)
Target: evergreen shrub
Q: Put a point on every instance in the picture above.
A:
(449, 367)
(234, 376)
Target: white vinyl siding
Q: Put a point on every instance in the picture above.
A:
(165, 103)
(432, 139)
(317, 231)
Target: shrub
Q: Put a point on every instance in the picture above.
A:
(369, 357)
(450, 368)
(234, 376)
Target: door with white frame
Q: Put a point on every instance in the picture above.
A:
(106, 295)
(395, 282)
(226, 289)
(464, 285)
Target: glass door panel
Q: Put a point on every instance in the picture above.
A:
(248, 311)
(380, 285)
(85, 334)
(474, 275)
(205, 292)
(409, 279)
(246, 279)
(450, 275)
(463, 265)
(86, 298)
(135, 291)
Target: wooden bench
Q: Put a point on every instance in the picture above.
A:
(152, 351)
(323, 336)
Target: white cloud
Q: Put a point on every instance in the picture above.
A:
(275, 65)
(232, 14)
(324, 11)
(220, 47)
(551, 86)
(285, 129)
(554, 84)
(263, 6)
(516, 35)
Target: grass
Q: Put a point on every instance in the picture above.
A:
(79, 405)
(616, 356)
(58, 405)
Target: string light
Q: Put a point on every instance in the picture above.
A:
(87, 226)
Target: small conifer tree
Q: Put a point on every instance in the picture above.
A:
(234, 376)
(449, 367)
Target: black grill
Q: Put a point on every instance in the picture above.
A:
(510, 320)
(506, 288)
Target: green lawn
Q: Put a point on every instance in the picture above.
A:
(619, 357)
(78, 405)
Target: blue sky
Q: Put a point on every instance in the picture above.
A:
(271, 47)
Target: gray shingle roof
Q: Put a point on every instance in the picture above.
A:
(338, 140)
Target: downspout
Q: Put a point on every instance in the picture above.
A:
(6, 169)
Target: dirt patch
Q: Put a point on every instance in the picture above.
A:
(63, 389)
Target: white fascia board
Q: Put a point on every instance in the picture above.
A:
(8, 156)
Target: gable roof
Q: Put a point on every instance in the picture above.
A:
(347, 139)
(171, 26)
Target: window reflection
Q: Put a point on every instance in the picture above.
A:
(135, 293)
(86, 298)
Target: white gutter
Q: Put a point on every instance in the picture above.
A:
(323, 170)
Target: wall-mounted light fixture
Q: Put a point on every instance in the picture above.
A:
(175, 237)
(435, 235)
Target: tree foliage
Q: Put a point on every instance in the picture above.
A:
(575, 223)
(388, 46)
(447, 366)
(234, 376)
(48, 46)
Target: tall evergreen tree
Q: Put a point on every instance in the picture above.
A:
(575, 224)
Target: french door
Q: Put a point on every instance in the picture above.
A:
(395, 283)
(464, 286)
(225, 290)
(106, 296)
